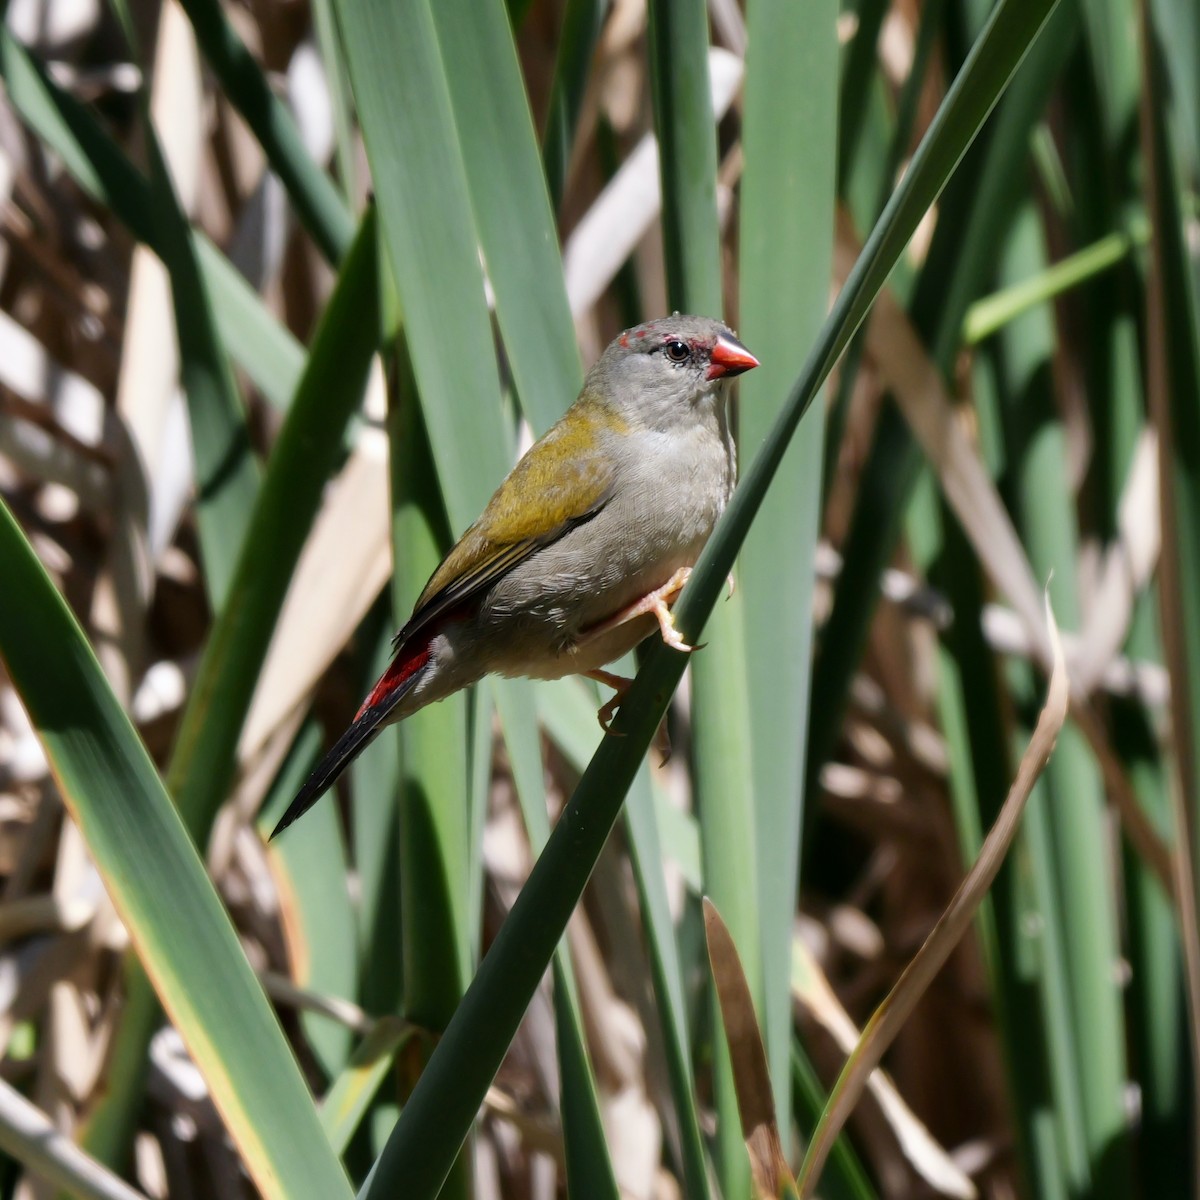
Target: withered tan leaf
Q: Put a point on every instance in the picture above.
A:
(890, 1016)
(751, 1077)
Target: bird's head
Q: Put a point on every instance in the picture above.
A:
(665, 372)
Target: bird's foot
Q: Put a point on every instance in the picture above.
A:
(657, 604)
(620, 686)
(607, 711)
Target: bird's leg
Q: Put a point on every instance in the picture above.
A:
(608, 711)
(657, 603)
(620, 685)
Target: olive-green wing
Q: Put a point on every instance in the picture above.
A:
(564, 480)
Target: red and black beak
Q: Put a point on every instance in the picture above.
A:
(729, 357)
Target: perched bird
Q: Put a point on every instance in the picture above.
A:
(579, 553)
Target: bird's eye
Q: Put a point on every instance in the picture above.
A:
(677, 351)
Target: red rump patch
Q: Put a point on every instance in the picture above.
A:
(396, 676)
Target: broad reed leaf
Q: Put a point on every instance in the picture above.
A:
(144, 853)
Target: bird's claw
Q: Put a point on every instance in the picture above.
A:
(607, 713)
(671, 635)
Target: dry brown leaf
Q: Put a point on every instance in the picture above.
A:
(751, 1077)
(928, 1158)
(890, 1016)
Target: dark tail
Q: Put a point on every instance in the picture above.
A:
(397, 682)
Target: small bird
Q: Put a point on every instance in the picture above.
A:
(581, 550)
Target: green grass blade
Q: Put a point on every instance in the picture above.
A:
(582, 22)
(310, 873)
(340, 100)
(789, 134)
(350, 1097)
(589, 1166)
(317, 202)
(145, 856)
(1157, 1008)
(434, 836)
(723, 766)
(375, 828)
(441, 1109)
(1173, 321)
(993, 312)
(434, 829)
(687, 153)
(203, 760)
(425, 215)
(510, 205)
(1074, 801)
(567, 711)
(645, 853)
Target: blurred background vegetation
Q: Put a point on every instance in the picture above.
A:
(284, 289)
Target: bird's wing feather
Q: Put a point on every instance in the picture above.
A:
(563, 480)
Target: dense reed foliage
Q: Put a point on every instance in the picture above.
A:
(284, 288)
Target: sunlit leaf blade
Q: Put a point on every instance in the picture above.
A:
(428, 229)
(723, 777)
(347, 1101)
(144, 853)
(510, 205)
(791, 76)
(203, 761)
(309, 868)
(433, 835)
